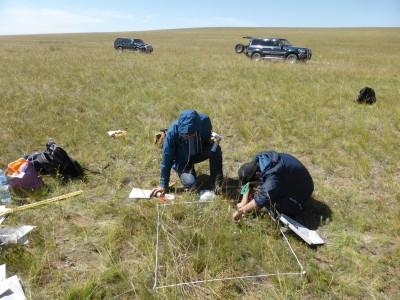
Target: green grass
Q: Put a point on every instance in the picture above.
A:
(72, 88)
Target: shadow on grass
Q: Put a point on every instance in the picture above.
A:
(314, 214)
(229, 188)
(202, 183)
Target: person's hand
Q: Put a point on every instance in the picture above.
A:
(158, 191)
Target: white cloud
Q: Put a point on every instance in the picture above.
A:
(36, 21)
(31, 21)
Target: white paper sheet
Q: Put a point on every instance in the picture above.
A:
(145, 194)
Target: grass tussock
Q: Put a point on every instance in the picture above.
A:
(73, 88)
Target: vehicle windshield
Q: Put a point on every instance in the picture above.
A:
(285, 42)
(139, 41)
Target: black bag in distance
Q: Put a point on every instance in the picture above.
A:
(55, 161)
(366, 94)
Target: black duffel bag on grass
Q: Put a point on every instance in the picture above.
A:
(55, 161)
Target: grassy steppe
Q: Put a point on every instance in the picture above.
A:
(72, 88)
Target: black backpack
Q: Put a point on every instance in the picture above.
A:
(366, 94)
(55, 161)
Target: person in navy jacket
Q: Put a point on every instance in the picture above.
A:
(282, 181)
(188, 141)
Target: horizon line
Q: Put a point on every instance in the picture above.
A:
(205, 27)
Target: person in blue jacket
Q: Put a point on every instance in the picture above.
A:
(282, 181)
(188, 141)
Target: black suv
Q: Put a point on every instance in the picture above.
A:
(132, 44)
(273, 48)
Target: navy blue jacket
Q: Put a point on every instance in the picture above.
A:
(176, 149)
(286, 181)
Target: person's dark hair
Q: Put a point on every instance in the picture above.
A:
(247, 172)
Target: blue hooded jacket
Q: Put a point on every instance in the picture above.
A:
(286, 181)
(176, 149)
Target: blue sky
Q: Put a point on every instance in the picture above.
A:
(58, 16)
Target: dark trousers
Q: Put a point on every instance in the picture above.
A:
(187, 172)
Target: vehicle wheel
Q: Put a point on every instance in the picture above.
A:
(256, 57)
(120, 49)
(291, 59)
(136, 50)
(239, 48)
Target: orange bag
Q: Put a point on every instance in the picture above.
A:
(15, 166)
